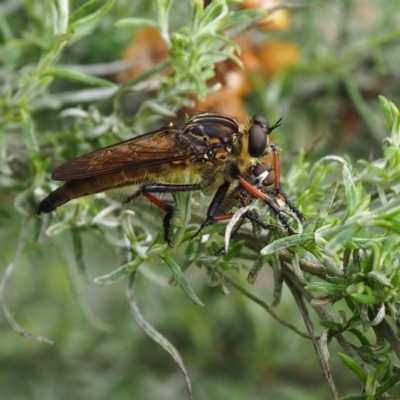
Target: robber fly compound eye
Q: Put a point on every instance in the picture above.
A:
(258, 136)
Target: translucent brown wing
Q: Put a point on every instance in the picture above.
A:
(153, 148)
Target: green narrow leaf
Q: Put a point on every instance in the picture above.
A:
(91, 17)
(325, 287)
(365, 298)
(395, 133)
(242, 17)
(28, 129)
(78, 249)
(182, 214)
(297, 270)
(154, 334)
(63, 16)
(356, 368)
(360, 336)
(350, 192)
(215, 12)
(136, 22)
(119, 273)
(387, 111)
(208, 230)
(255, 269)
(284, 243)
(370, 387)
(80, 77)
(82, 10)
(388, 384)
(278, 280)
(379, 371)
(379, 277)
(234, 250)
(326, 205)
(342, 239)
(4, 285)
(181, 280)
(333, 326)
(364, 203)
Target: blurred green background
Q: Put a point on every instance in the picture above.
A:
(348, 53)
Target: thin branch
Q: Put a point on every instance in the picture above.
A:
(266, 307)
(7, 276)
(322, 353)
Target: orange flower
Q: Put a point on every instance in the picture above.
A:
(146, 50)
(276, 56)
(224, 101)
(277, 21)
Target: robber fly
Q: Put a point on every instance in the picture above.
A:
(174, 158)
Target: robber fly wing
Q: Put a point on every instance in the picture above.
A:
(153, 148)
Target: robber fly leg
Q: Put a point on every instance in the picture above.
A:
(280, 194)
(269, 202)
(255, 219)
(214, 206)
(146, 191)
(277, 190)
(281, 216)
(276, 210)
(250, 215)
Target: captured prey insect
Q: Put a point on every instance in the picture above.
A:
(265, 177)
(176, 158)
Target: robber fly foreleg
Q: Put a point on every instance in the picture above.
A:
(269, 202)
(280, 194)
(277, 190)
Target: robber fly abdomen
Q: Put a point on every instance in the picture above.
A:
(75, 188)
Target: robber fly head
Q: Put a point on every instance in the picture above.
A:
(258, 135)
